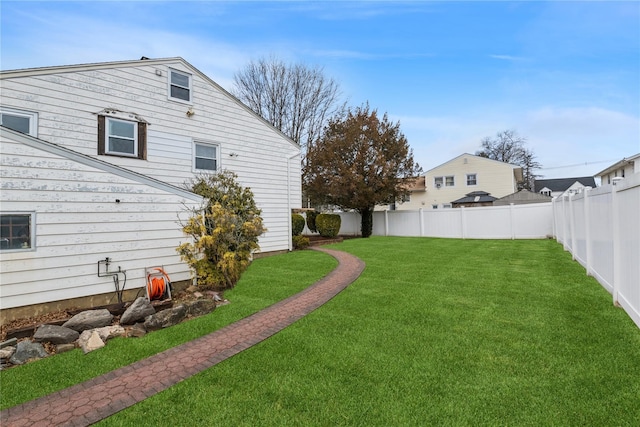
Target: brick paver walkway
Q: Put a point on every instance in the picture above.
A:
(96, 399)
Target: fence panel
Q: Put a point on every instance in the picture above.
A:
(601, 228)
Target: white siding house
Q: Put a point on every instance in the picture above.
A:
(135, 131)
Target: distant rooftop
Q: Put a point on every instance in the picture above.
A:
(562, 184)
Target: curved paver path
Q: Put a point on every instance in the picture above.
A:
(93, 400)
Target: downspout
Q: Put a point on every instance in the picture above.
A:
(289, 225)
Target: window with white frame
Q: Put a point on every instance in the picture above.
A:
(20, 121)
(205, 156)
(179, 86)
(434, 206)
(17, 231)
(472, 179)
(438, 181)
(124, 138)
(449, 181)
(446, 205)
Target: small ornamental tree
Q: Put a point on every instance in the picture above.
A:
(224, 231)
(311, 220)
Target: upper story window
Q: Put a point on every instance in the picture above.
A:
(17, 231)
(179, 86)
(449, 181)
(205, 157)
(438, 181)
(20, 121)
(120, 137)
(472, 179)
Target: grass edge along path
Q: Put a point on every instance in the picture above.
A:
(267, 281)
(434, 332)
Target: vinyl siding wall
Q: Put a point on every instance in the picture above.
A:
(67, 104)
(78, 223)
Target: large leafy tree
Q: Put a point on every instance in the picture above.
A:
(509, 147)
(361, 160)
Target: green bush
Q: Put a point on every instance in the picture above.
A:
(297, 224)
(300, 242)
(328, 225)
(311, 220)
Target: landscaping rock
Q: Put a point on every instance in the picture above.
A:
(108, 332)
(9, 343)
(137, 311)
(55, 334)
(27, 350)
(165, 318)
(200, 307)
(138, 330)
(6, 353)
(89, 319)
(63, 348)
(90, 340)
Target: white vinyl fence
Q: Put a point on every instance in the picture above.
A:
(601, 229)
(532, 221)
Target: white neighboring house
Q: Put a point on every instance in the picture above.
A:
(149, 126)
(621, 169)
(560, 186)
(460, 176)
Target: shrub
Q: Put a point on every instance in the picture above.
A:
(297, 224)
(300, 242)
(311, 221)
(328, 225)
(224, 231)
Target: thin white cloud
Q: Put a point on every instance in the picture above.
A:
(508, 57)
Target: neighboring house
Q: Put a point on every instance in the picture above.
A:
(522, 197)
(416, 186)
(102, 167)
(561, 186)
(474, 199)
(460, 176)
(621, 169)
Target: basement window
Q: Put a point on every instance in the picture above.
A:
(17, 231)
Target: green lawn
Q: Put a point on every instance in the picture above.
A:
(434, 332)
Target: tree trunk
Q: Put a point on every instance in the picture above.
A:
(366, 225)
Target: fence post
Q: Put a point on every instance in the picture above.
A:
(587, 230)
(511, 225)
(615, 234)
(463, 225)
(386, 222)
(572, 226)
(564, 224)
(421, 222)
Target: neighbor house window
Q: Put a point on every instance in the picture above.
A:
(20, 121)
(447, 206)
(471, 179)
(438, 181)
(406, 198)
(434, 206)
(124, 138)
(179, 86)
(205, 157)
(449, 181)
(17, 231)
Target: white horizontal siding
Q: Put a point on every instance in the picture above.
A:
(67, 103)
(79, 223)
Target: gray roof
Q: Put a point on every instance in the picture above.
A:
(562, 184)
(475, 197)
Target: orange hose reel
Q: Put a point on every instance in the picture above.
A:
(157, 283)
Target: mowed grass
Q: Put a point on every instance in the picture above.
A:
(267, 281)
(434, 332)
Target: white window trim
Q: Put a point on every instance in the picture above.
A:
(193, 156)
(106, 138)
(190, 76)
(435, 183)
(472, 185)
(32, 231)
(454, 181)
(33, 118)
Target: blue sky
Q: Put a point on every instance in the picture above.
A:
(565, 75)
